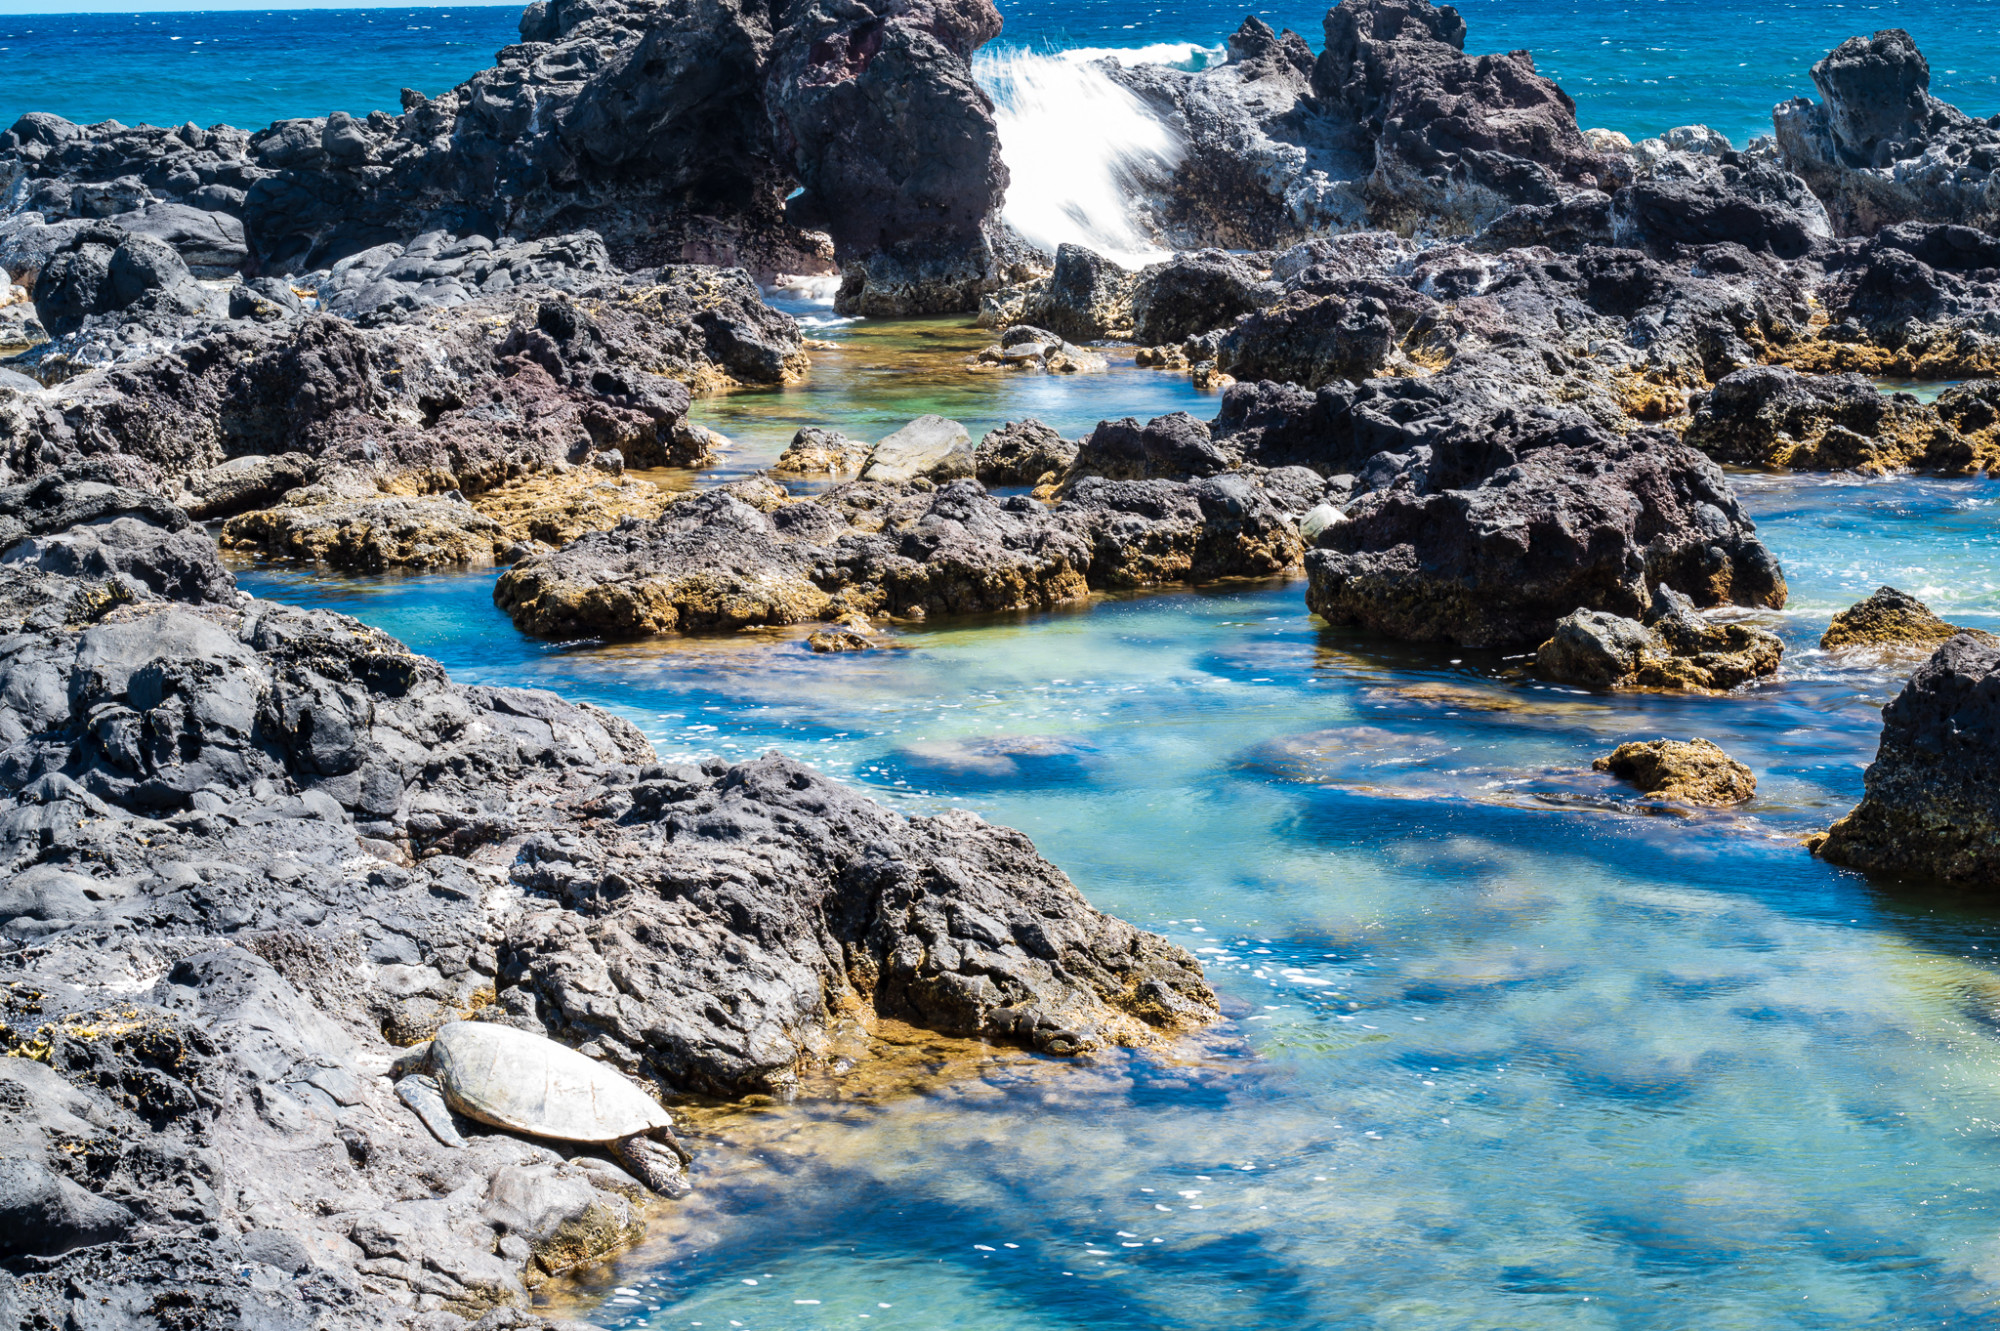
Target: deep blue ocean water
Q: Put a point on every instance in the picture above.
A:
(1638, 67)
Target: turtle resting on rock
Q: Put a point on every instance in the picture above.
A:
(530, 1084)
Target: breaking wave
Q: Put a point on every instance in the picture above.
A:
(1077, 144)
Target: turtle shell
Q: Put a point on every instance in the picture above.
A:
(531, 1084)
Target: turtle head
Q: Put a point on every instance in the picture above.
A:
(415, 1059)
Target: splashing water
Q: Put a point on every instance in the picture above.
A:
(1076, 142)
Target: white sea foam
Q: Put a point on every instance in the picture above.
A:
(1076, 143)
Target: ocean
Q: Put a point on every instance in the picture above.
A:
(1637, 67)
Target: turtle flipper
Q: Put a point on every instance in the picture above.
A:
(660, 1165)
(426, 1097)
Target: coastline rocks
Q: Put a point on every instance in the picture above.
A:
(447, 398)
(249, 849)
(1497, 526)
(713, 562)
(1675, 648)
(1173, 447)
(553, 508)
(1087, 298)
(1192, 294)
(1771, 416)
(817, 451)
(929, 446)
(959, 926)
(1685, 771)
(369, 535)
(1879, 149)
(1259, 164)
(1022, 453)
(1452, 140)
(1929, 802)
(1888, 618)
(439, 270)
(893, 145)
(1311, 340)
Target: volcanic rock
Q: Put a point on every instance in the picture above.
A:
(1022, 453)
(1928, 806)
(1674, 648)
(1776, 417)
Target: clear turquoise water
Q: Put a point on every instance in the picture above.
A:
(1640, 66)
(1506, 1047)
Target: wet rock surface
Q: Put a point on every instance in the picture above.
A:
(1928, 805)
(249, 850)
(910, 551)
(1692, 771)
(1674, 648)
(1888, 618)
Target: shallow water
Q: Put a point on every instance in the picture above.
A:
(871, 377)
(1507, 1046)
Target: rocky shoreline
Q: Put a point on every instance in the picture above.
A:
(1481, 369)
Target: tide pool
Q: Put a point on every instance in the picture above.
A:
(1506, 1045)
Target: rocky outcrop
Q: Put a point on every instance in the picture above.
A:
(1692, 771)
(1674, 648)
(1451, 140)
(818, 451)
(894, 148)
(248, 850)
(1022, 453)
(1260, 163)
(1928, 807)
(791, 139)
(1914, 301)
(464, 398)
(1192, 294)
(1775, 417)
(1879, 149)
(1889, 618)
(1484, 524)
(370, 535)
(1392, 125)
(914, 551)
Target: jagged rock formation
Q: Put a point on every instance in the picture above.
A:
(675, 131)
(461, 398)
(1928, 807)
(1391, 125)
(1879, 149)
(248, 850)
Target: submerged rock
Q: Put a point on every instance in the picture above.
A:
(1931, 799)
(1686, 771)
(1888, 618)
(1675, 648)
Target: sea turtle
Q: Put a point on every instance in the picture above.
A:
(530, 1084)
